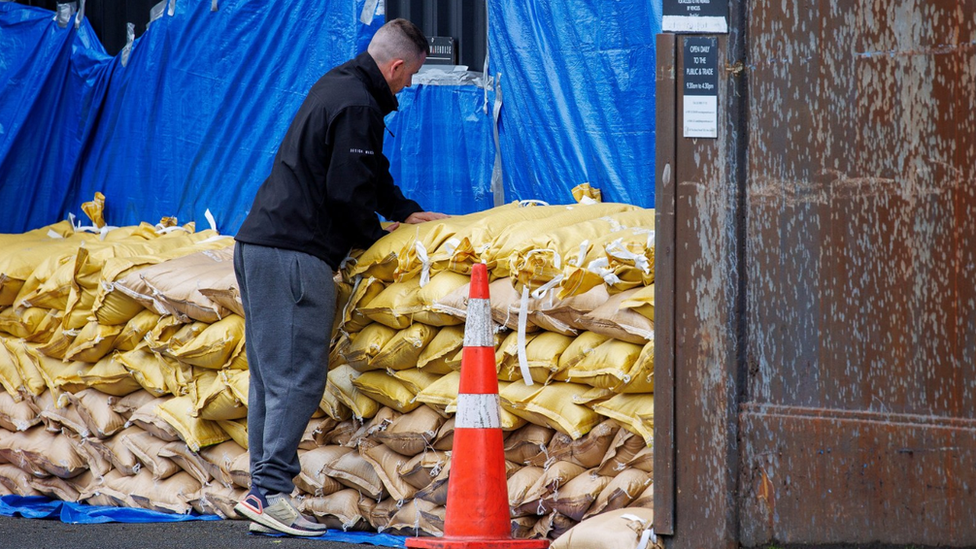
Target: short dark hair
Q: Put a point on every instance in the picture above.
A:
(411, 32)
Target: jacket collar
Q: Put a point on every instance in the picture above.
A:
(376, 84)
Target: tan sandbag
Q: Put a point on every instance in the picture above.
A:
(58, 413)
(420, 471)
(526, 444)
(522, 527)
(196, 432)
(552, 480)
(634, 412)
(588, 451)
(128, 404)
(551, 406)
(340, 510)
(641, 301)
(16, 416)
(110, 376)
(16, 480)
(412, 433)
(340, 384)
(519, 485)
(45, 451)
(97, 413)
(645, 499)
(436, 491)
(575, 498)
(219, 459)
(437, 356)
(118, 488)
(148, 419)
(367, 344)
(333, 407)
(311, 479)
(174, 286)
(385, 463)
(240, 471)
(187, 460)
(57, 488)
(622, 450)
(220, 500)
(354, 471)
(612, 320)
(404, 349)
(147, 449)
(625, 487)
(608, 366)
(417, 518)
(135, 330)
(444, 441)
(98, 464)
(213, 347)
(117, 453)
(172, 495)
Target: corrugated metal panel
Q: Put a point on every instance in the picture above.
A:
(825, 282)
(465, 20)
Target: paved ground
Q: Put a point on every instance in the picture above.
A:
(21, 533)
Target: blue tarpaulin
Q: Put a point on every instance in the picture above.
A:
(36, 507)
(192, 119)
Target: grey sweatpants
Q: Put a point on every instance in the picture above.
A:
(289, 304)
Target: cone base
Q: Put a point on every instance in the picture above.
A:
(475, 543)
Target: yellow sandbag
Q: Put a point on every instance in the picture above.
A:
(340, 384)
(30, 377)
(609, 366)
(365, 290)
(95, 209)
(196, 433)
(506, 353)
(367, 344)
(58, 375)
(31, 324)
(642, 374)
(621, 258)
(387, 390)
(166, 338)
(135, 329)
(109, 376)
(505, 304)
(403, 350)
(583, 345)
(440, 285)
(21, 256)
(634, 412)
(641, 301)
(436, 356)
(612, 320)
(218, 402)
(520, 239)
(238, 359)
(395, 305)
(49, 283)
(542, 354)
(333, 407)
(236, 430)
(145, 367)
(213, 347)
(415, 379)
(441, 393)
(60, 341)
(551, 406)
(93, 342)
(10, 371)
(585, 191)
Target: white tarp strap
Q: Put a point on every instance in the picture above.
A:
(541, 291)
(80, 15)
(497, 184)
(156, 12)
(424, 262)
(64, 13)
(172, 8)
(130, 37)
(369, 10)
(210, 220)
(522, 324)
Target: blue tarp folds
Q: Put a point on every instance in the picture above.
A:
(193, 120)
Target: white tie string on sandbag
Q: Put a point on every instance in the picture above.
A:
(425, 264)
(578, 261)
(617, 250)
(522, 324)
(532, 202)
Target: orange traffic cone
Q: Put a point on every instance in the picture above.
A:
(477, 493)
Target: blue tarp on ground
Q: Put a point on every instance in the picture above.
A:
(193, 119)
(36, 507)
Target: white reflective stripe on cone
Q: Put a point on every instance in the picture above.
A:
(477, 412)
(478, 331)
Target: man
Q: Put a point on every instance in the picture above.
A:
(328, 180)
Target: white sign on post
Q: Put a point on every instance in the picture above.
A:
(700, 97)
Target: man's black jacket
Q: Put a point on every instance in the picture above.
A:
(330, 176)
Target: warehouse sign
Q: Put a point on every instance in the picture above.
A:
(700, 87)
(696, 16)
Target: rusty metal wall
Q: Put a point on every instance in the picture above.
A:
(859, 419)
(822, 259)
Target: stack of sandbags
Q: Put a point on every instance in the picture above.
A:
(146, 400)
